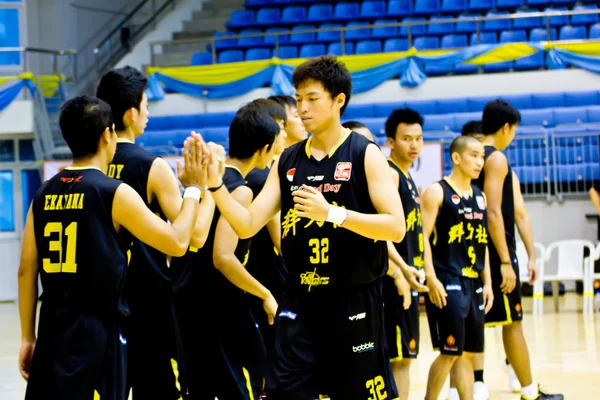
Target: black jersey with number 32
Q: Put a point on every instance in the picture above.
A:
(82, 259)
(411, 247)
(320, 255)
(460, 234)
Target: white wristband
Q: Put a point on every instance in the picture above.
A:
(395, 274)
(336, 215)
(193, 192)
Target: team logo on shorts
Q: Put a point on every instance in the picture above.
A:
(290, 174)
(480, 202)
(343, 170)
(455, 199)
(450, 344)
(412, 344)
(518, 308)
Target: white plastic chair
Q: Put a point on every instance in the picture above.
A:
(538, 286)
(572, 266)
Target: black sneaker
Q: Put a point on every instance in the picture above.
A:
(544, 396)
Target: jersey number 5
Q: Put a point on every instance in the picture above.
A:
(320, 250)
(66, 262)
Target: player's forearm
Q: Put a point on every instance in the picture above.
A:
(376, 226)
(486, 275)
(28, 295)
(428, 260)
(183, 227)
(595, 199)
(396, 258)
(526, 233)
(236, 273)
(239, 217)
(274, 229)
(203, 221)
(497, 233)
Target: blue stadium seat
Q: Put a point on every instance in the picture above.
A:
(213, 119)
(519, 101)
(286, 52)
(218, 135)
(547, 100)
(508, 4)
(466, 26)
(329, 36)
(477, 104)
(440, 28)
(485, 38)
(257, 3)
(356, 111)
(422, 106)
(570, 115)
(373, 9)
(393, 45)
(438, 122)
(384, 32)
(335, 48)
(542, 117)
(526, 23)
(293, 15)
(399, 8)
(584, 98)
(375, 125)
(506, 37)
(229, 56)
(593, 114)
(301, 38)
(531, 175)
(368, 47)
(481, 5)
(258, 54)
(320, 13)
(558, 20)
(224, 43)
(437, 136)
(537, 3)
(426, 7)
(453, 6)
(451, 106)
(541, 35)
(578, 173)
(460, 119)
(250, 41)
(426, 43)
(267, 16)
(584, 19)
(160, 138)
(357, 34)
(241, 19)
(496, 24)
(270, 39)
(346, 11)
(519, 156)
(455, 42)
(202, 58)
(569, 32)
(595, 31)
(384, 110)
(414, 29)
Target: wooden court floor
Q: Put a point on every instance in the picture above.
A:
(564, 347)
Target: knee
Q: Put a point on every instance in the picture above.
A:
(514, 327)
(405, 363)
(448, 359)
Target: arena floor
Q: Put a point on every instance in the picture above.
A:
(564, 347)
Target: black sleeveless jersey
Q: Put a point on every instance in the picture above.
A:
(411, 247)
(81, 258)
(508, 204)
(132, 164)
(320, 255)
(460, 235)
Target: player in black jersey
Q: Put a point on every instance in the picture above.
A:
(499, 124)
(359, 127)
(148, 285)
(339, 207)
(294, 128)
(223, 364)
(457, 267)
(76, 237)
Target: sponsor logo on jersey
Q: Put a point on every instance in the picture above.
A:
(65, 179)
(316, 178)
(455, 199)
(357, 316)
(480, 202)
(287, 314)
(343, 170)
(363, 347)
(290, 174)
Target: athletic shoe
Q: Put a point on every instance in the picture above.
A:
(453, 394)
(513, 381)
(481, 391)
(544, 396)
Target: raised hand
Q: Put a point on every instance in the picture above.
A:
(215, 164)
(310, 203)
(194, 171)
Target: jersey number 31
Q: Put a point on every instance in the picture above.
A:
(66, 258)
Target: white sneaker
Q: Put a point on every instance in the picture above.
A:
(513, 381)
(453, 394)
(480, 391)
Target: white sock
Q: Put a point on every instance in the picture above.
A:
(530, 391)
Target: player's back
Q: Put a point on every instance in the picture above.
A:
(82, 258)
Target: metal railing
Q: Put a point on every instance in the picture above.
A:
(212, 40)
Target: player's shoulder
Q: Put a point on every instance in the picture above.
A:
(435, 191)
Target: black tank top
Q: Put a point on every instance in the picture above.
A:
(132, 164)
(81, 258)
(411, 247)
(460, 236)
(320, 255)
(508, 205)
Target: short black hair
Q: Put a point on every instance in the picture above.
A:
(332, 73)
(399, 116)
(250, 130)
(471, 127)
(354, 124)
(497, 113)
(82, 122)
(122, 88)
(284, 101)
(269, 107)
(460, 144)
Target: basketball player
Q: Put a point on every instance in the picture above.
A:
(404, 129)
(500, 121)
(473, 129)
(76, 237)
(359, 128)
(294, 128)
(147, 287)
(457, 268)
(222, 364)
(338, 206)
